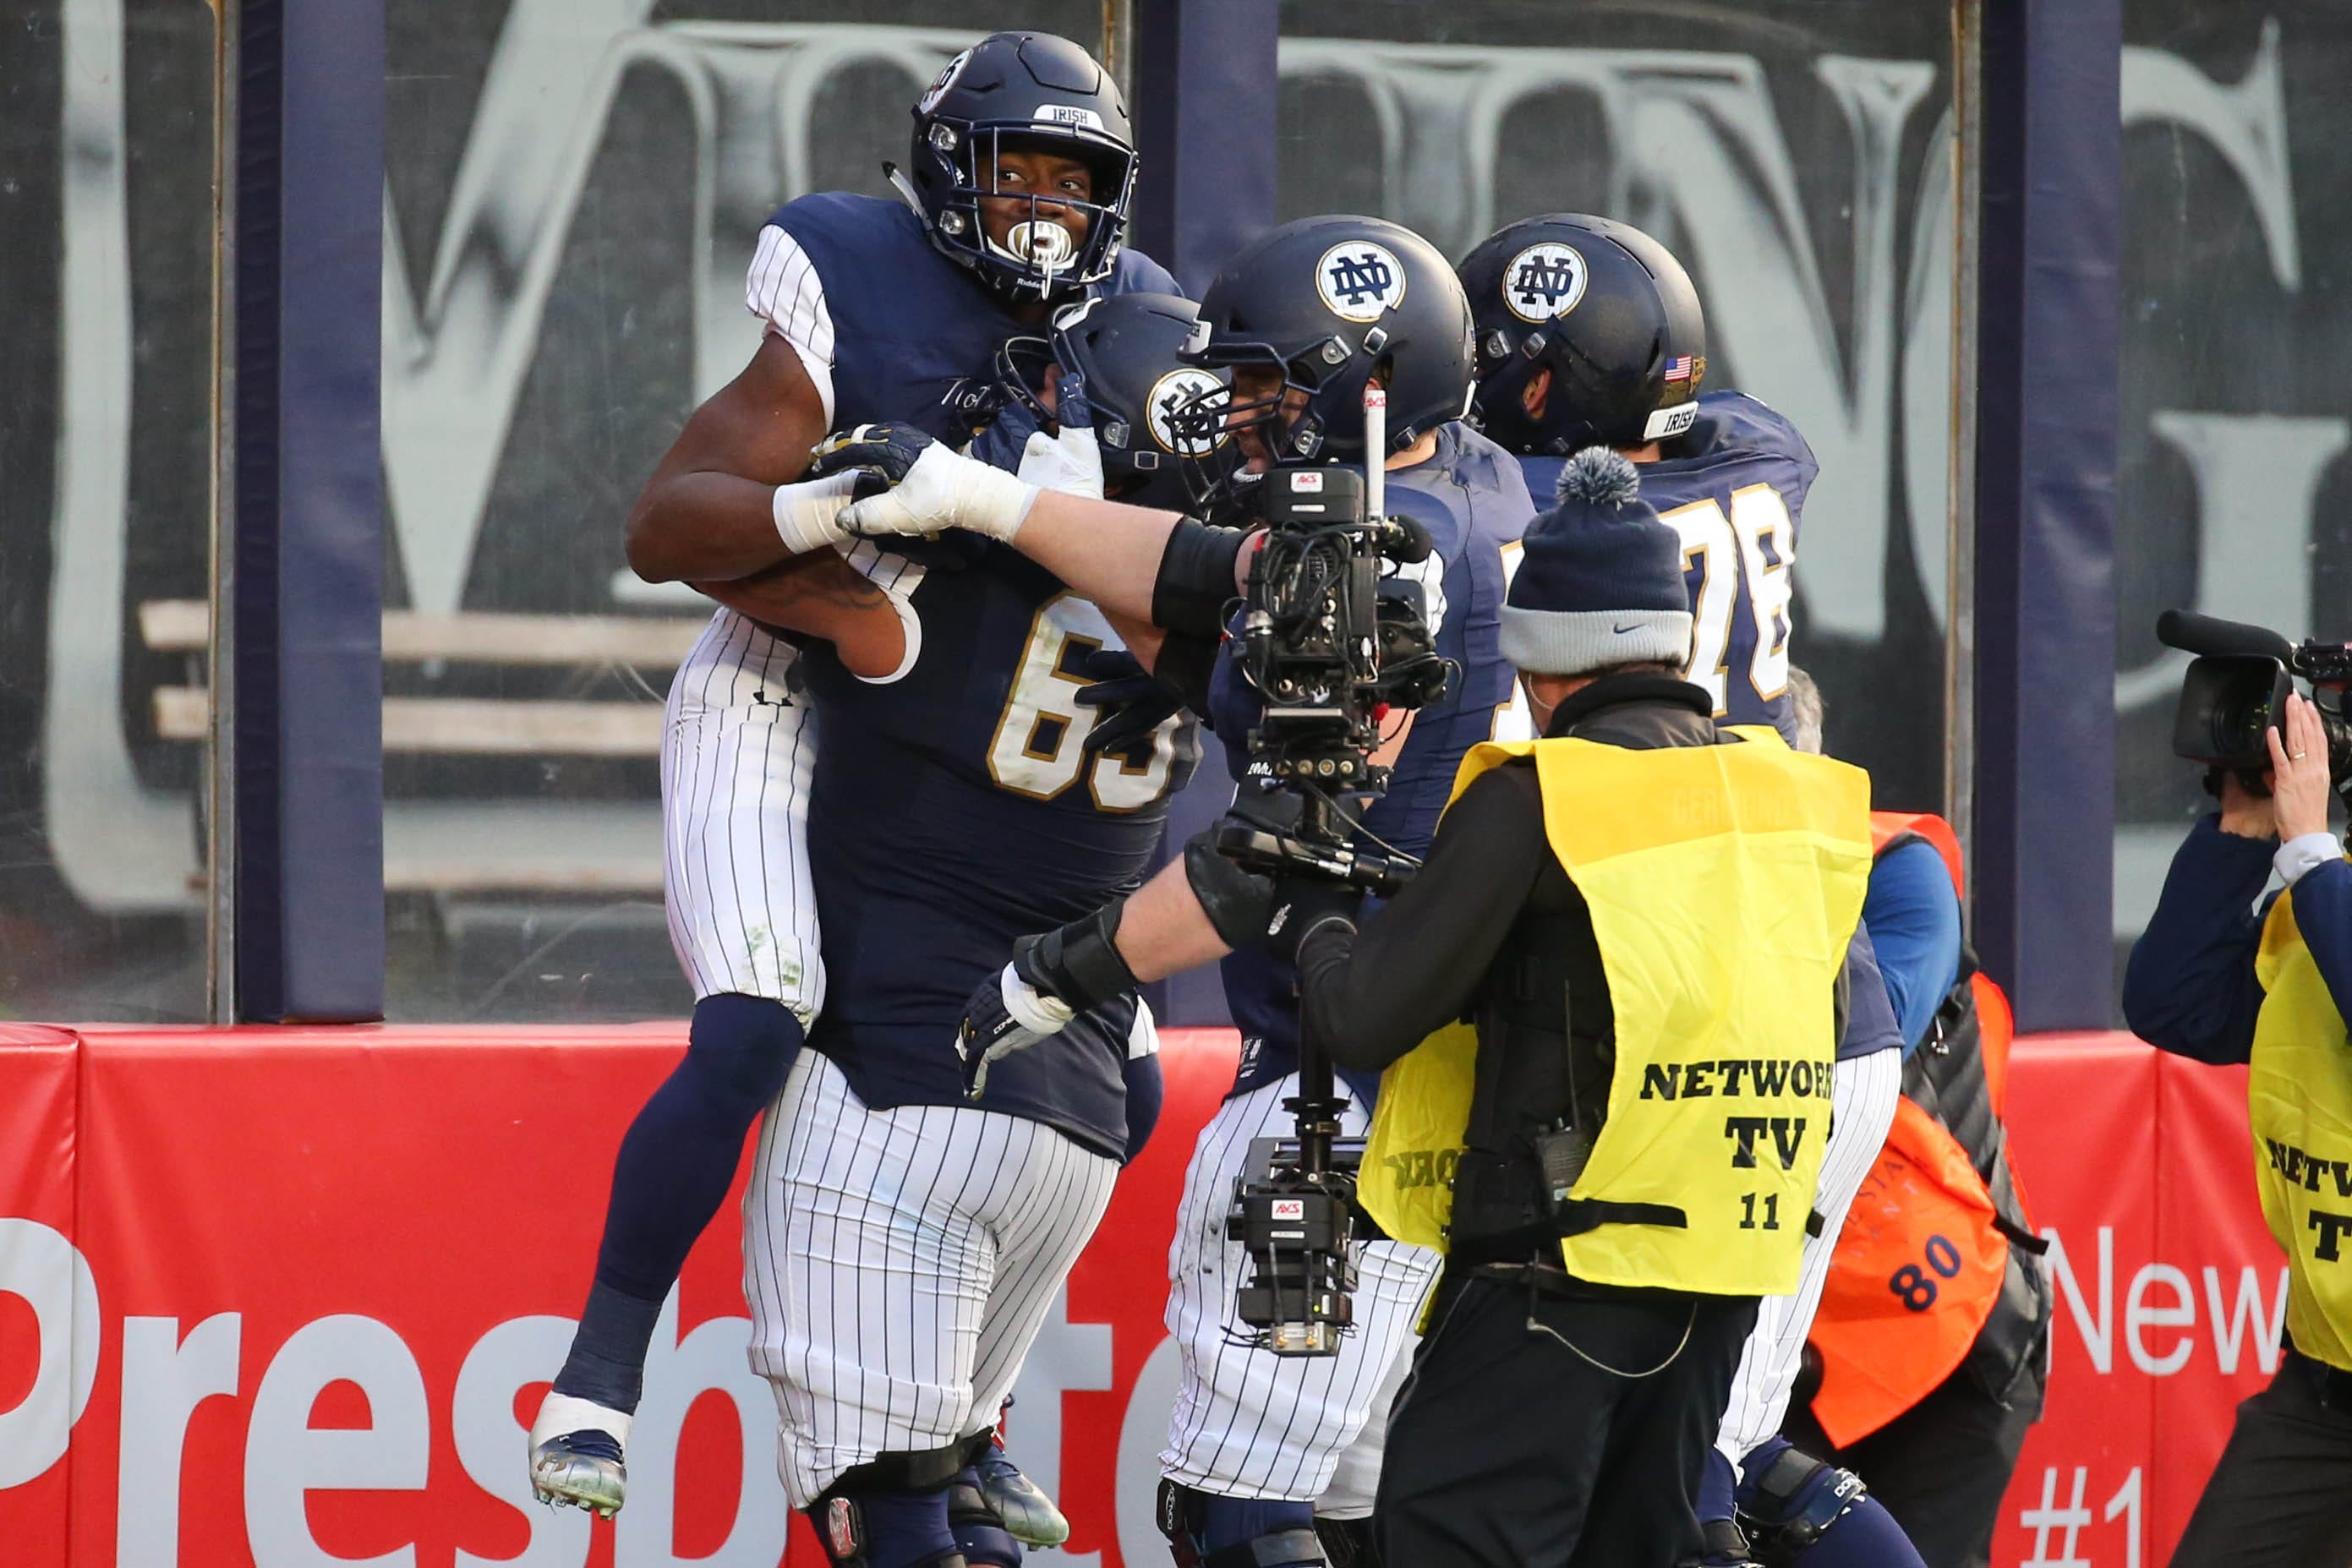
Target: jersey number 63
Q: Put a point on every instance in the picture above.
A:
(1038, 748)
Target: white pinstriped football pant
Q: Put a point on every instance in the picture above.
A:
(1863, 1090)
(898, 1265)
(1250, 1423)
(738, 749)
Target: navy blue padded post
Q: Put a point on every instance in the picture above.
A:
(307, 539)
(2047, 344)
(1204, 122)
(1205, 126)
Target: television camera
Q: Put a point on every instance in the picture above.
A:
(1334, 642)
(2235, 692)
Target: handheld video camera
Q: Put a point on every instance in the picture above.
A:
(2235, 694)
(1333, 641)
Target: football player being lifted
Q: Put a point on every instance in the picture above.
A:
(1011, 204)
(1262, 1449)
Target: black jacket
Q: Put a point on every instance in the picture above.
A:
(1421, 959)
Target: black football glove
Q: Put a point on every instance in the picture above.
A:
(888, 452)
(1246, 906)
(1306, 904)
(1130, 698)
(1051, 981)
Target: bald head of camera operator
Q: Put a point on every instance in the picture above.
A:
(1645, 915)
(2214, 979)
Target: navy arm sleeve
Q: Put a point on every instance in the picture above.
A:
(2323, 913)
(1914, 918)
(1147, 1088)
(2189, 986)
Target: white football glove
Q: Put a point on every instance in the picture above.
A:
(1070, 462)
(941, 490)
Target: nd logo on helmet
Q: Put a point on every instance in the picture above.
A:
(1544, 281)
(1359, 281)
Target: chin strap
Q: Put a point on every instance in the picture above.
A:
(906, 189)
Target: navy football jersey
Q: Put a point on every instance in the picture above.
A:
(884, 323)
(1734, 487)
(1471, 499)
(954, 810)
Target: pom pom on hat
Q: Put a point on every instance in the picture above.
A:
(1598, 477)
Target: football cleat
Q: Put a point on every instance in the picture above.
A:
(581, 1468)
(575, 1455)
(1029, 1515)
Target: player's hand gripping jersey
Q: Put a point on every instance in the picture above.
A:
(1734, 487)
(1471, 497)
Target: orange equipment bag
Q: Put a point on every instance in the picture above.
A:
(1917, 1270)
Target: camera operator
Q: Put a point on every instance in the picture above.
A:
(2210, 980)
(1629, 1138)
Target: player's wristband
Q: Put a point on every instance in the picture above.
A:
(1080, 963)
(808, 514)
(1196, 579)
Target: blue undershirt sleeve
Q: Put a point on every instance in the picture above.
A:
(1914, 917)
(1869, 1016)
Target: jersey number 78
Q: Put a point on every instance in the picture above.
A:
(1752, 548)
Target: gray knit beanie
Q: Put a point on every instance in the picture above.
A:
(1601, 578)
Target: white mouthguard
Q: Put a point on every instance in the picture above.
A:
(1042, 244)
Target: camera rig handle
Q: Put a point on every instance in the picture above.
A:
(1268, 850)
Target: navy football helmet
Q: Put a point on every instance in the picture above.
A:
(1122, 354)
(1325, 302)
(1119, 359)
(1026, 91)
(1605, 308)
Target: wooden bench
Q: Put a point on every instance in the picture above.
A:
(468, 725)
(481, 726)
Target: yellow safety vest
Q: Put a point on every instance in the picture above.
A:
(2299, 1093)
(1725, 883)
